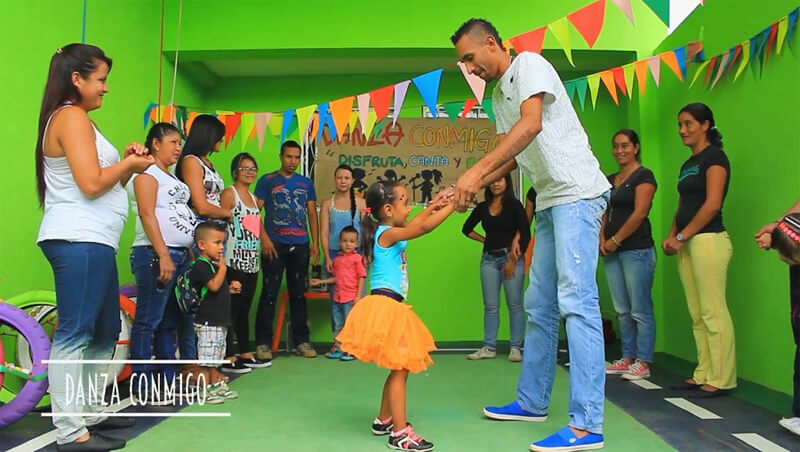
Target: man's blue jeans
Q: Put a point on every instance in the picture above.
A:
(563, 283)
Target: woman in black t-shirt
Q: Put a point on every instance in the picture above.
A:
(630, 257)
(704, 250)
(503, 218)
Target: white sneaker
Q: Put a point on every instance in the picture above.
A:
(515, 356)
(483, 353)
(792, 424)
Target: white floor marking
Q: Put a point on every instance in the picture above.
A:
(645, 384)
(759, 442)
(697, 410)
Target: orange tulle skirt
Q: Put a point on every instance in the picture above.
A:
(388, 333)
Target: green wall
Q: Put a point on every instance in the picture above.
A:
(759, 122)
(32, 34)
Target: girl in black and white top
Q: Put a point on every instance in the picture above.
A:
(503, 219)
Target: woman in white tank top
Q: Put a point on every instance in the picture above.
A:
(79, 178)
(164, 233)
(196, 169)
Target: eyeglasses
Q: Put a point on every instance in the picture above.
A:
(249, 169)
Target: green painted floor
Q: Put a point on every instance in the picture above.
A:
(325, 405)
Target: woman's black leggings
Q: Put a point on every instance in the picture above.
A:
(240, 311)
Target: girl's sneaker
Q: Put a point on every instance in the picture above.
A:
(380, 429)
(617, 367)
(347, 357)
(406, 439)
(335, 354)
(637, 371)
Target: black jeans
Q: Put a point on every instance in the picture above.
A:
(293, 259)
(794, 291)
(240, 312)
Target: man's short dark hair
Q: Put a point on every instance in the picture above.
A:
(477, 24)
(202, 230)
(289, 144)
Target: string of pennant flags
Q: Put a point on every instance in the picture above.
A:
(338, 114)
(753, 52)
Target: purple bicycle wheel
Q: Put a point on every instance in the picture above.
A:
(32, 392)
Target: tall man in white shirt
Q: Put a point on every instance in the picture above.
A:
(540, 132)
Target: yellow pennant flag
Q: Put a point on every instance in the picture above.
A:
(275, 123)
(699, 71)
(367, 128)
(594, 86)
(246, 127)
(628, 71)
(304, 115)
(745, 59)
(560, 30)
(354, 122)
(783, 27)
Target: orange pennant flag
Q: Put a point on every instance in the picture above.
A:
(190, 120)
(314, 126)
(529, 42)
(671, 61)
(341, 109)
(709, 70)
(608, 79)
(232, 123)
(641, 74)
(619, 79)
(589, 21)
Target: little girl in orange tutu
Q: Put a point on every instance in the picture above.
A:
(381, 327)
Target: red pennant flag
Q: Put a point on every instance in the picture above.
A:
(736, 54)
(608, 79)
(232, 123)
(619, 78)
(771, 40)
(589, 21)
(529, 42)
(709, 70)
(469, 104)
(381, 98)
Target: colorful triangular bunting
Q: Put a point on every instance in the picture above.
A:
(589, 21)
(428, 86)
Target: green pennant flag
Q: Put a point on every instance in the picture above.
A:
(488, 107)
(661, 8)
(453, 109)
(580, 85)
(570, 87)
(379, 126)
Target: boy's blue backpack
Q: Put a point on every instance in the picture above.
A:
(186, 294)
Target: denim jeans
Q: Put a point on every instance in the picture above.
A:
(87, 298)
(151, 301)
(339, 312)
(491, 280)
(630, 281)
(294, 260)
(563, 283)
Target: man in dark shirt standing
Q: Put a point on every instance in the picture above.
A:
(290, 207)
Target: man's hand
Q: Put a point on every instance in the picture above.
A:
(314, 253)
(764, 241)
(268, 249)
(235, 287)
(466, 189)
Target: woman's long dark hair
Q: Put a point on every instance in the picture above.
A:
(378, 195)
(80, 58)
(702, 113)
(205, 133)
(508, 194)
(158, 132)
(634, 139)
(352, 192)
(237, 162)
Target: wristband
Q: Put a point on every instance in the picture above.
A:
(614, 241)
